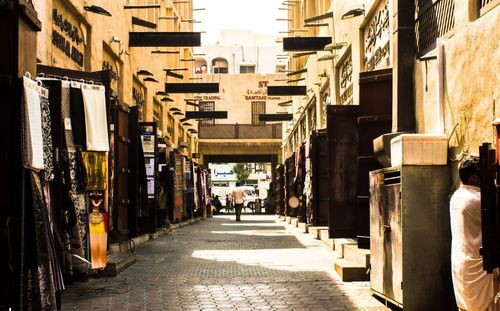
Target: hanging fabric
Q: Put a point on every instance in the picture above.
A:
(96, 125)
(48, 154)
(98, 231)
(77, 114)
(32, 125)
(95, 170)
(40, 291)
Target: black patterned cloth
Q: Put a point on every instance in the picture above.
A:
(48, 154)
(40, 289)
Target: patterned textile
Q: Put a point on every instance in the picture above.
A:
(40, 287)
(48, 155)
(95, 170)
(66, 115)
(80, 231)
(75, 173)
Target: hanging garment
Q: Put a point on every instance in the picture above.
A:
(94, 170)
(48, 154)
(79, 234)
(40, 291)
(96, 124)
(98, 231)
(32, 125)
(77, 115)
(51, 241)
(66, 116)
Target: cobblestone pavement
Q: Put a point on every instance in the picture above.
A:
(219, 264)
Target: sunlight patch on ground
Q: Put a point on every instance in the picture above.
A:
(256, 232)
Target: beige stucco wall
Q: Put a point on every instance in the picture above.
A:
(471, 86)
(99, 30)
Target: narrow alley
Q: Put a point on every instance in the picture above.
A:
(259, 263)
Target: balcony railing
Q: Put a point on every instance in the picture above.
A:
(434, 19)
(240, 131)
(484, 5)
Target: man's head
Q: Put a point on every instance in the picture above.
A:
(469, 172)
(238, 184)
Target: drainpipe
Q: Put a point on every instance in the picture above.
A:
(440, 87)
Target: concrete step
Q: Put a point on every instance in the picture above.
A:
(303, 226)
(338, 245)
(325, 237)
(316, 231)
(116, 263)
(350, 271)
(357, 255)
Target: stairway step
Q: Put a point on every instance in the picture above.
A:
(338, 245)
(325, 237)
(350, 271)
(303, 226)
(315, 231)
(116, 263)
(357, 255)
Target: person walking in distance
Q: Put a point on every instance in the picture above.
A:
(474, 288)
(238, 196)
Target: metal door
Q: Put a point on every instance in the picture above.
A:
(375, 119)
(343, 144)
(386, 256)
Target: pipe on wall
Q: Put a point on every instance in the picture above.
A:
(440, 128)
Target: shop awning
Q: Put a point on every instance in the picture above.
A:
(275, 117)
(156, 39)
(144, 23)
(206, 114)
(192, 87)
(305, 43)
(286, 90)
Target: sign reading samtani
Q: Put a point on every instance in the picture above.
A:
(67, 36)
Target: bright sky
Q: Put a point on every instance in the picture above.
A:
(257, 15)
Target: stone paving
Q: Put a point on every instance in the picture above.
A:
(259, 263)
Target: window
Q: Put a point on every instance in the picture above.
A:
(247, 69)
(158, 114)
(220, 65)
(207, 106)
(258, 108)
(200, 66)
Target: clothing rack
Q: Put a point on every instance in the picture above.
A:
(42, 76)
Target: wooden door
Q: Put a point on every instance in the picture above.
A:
(320, 178)
(342, 124)
(375, 119)
(121, 200)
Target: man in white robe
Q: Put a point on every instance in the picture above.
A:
(474, 288)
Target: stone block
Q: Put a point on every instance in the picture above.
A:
(357, 255)
(315, 231)
(338, 245)
(116, 263)
(350, 271)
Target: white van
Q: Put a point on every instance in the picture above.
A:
(250, 197)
